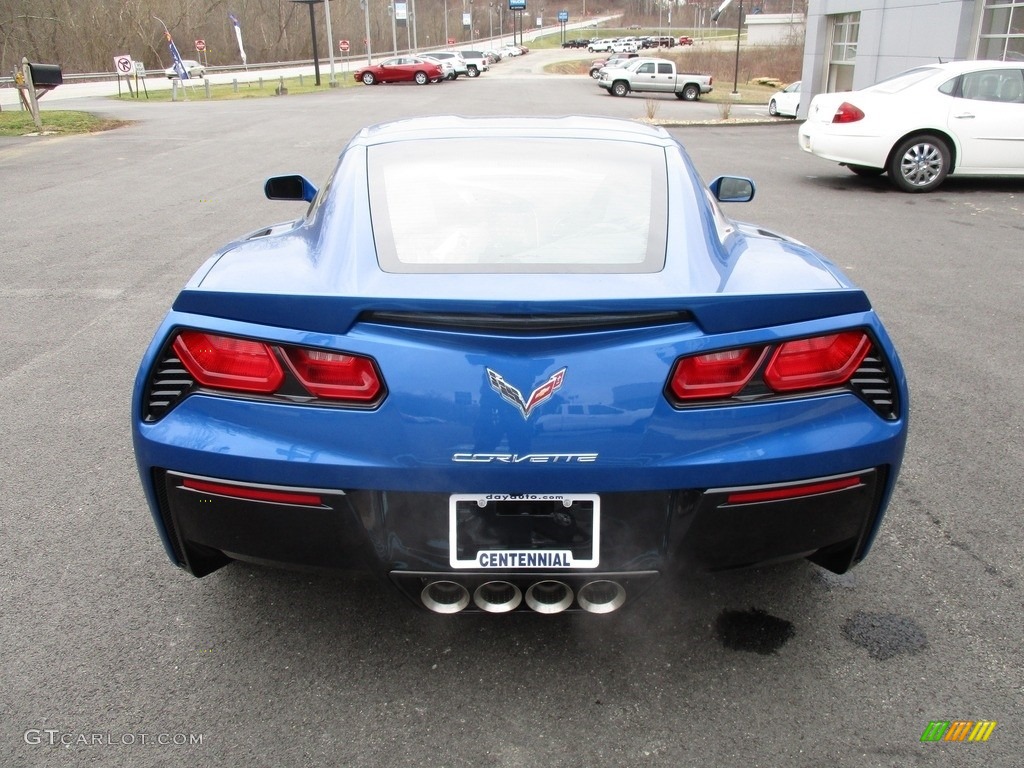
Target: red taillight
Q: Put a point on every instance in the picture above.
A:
(252, 493)
(716, 374)
(792, 491)
(224, 362)
(823, 361)
(335, 376)
(847, 113)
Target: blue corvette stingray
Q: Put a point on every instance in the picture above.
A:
(541, 399)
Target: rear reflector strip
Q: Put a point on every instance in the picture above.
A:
(252, 493)
(792, 491)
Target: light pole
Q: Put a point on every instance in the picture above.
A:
(312, 30)
(446, 36)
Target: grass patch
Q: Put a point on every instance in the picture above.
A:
(56, 122)
(254, 89)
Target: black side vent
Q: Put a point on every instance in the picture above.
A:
(873, 382)
(526, 324)
(168, 383)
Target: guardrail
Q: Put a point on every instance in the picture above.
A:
(105, 77)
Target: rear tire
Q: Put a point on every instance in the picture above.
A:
(920, 163)
(473, 72)
(421, 78)
(691, 92)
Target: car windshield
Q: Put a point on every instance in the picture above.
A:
(553, 214)
(903, 80)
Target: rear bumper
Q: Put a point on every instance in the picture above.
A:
(404, 536)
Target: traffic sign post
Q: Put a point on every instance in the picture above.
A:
(124, 67)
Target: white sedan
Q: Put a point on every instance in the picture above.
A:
(964, 118)
(785, 103)
(194, 69)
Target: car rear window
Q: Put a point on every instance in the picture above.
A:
(495, 205)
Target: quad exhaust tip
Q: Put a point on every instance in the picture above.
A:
(548, 596)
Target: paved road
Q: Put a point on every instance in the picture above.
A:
(104, 646)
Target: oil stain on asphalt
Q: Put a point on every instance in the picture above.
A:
(884, 635)
(753, 630)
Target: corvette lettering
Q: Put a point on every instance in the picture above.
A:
(515, 397)
(524, 458)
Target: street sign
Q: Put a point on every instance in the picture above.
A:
(124, 66)
(451, 41)
(343, 46)
(200, 45)
(563, 16)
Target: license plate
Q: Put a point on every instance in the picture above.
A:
(499, 531)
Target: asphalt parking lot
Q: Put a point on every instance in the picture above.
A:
(109, 656)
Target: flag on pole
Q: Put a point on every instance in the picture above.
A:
(238, 35)
(178, 66)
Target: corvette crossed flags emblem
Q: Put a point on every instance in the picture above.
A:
(515, 397)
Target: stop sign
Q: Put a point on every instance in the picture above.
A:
(343, 46)
(200, 45)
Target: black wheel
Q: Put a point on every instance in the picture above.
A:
(920, 163)
(867, 172)
(620, 88)
(772, 109)
(421, 78)
(473, 71)
(368, 78)
(595, 73)
(691, 92)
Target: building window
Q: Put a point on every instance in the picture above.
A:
(843, 51)
(1002, 31)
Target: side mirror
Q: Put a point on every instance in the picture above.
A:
(732, 189)
(291, 187)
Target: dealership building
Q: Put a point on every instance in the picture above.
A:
(850, 44)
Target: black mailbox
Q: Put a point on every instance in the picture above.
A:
(45, 75)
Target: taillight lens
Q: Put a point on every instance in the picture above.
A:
(715, 375)
(792, 366)
(249, 366)
(334, 376)
(823, 361)
(847, 113)
(224, 362)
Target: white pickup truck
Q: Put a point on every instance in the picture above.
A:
(645, 75)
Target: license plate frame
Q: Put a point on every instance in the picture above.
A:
(472, 510)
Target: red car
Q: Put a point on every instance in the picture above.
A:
(401, 69)
(684, 40)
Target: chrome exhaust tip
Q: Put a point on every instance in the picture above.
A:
(445, 597)
(497, 597)
(549, 596)
(601, 596)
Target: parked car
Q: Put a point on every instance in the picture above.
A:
(363, 388)
(645, 75)
(785, 103)
(614, 60)
(964, 118)
(684, 40)
(458, 63)
(664, 41)
(194, 69)
(447, 66)
(401, 69)
(623, 46)
(600, 45)
(476, 62)
(580, 43)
